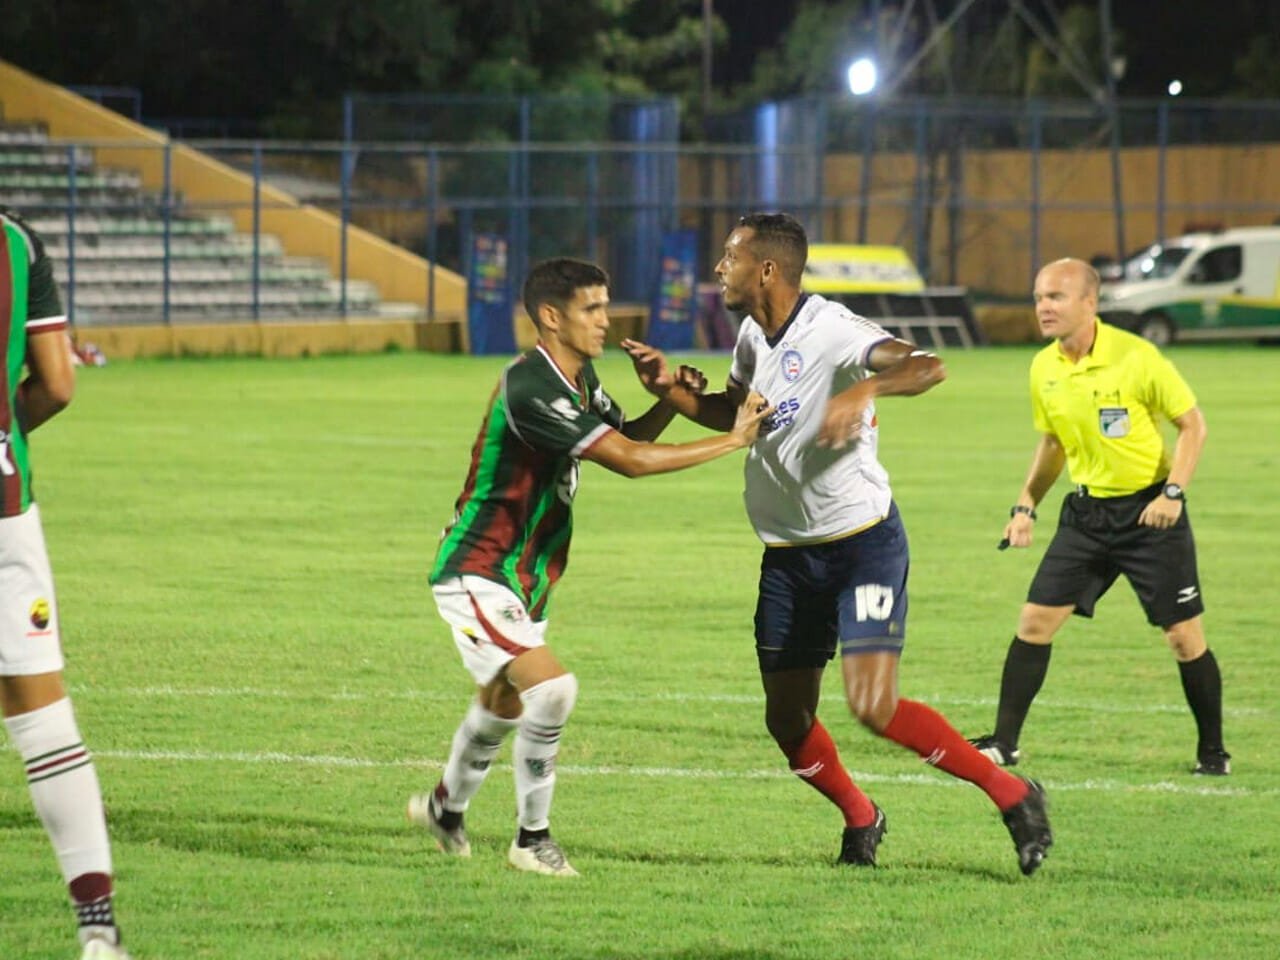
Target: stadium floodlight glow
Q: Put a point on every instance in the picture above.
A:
(1175, 87)
(862, 76)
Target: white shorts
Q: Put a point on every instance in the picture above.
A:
(28, 611)
(490, 624)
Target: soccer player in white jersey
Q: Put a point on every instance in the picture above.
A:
(834, 572)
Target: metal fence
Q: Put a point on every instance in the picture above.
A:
(979, 194)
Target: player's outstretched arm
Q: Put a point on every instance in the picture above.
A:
(683, 389)
(639, 459)
(51, 379)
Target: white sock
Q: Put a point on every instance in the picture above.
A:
(546, 708)
(475, 743)
(64, 787)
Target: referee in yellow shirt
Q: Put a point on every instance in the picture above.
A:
(1098, 395)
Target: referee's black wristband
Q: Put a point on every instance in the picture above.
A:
(1019, 508)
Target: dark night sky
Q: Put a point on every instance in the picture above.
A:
(1197, 41)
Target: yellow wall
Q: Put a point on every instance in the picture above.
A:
(1203, 185)
(295, 339)
(304, 230)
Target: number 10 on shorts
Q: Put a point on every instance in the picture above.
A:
(873, 601)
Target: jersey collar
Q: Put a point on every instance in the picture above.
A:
(550, 360)
(782, 331)
(1100, 354)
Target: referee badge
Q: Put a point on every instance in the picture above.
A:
(1114, 422)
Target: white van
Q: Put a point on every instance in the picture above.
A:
(1200, 286)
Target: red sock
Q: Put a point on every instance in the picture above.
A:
(816, 761)
(922, 729)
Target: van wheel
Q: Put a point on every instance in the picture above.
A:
(1157, 328)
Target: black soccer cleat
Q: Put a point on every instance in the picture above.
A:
(1028, 823)
(995, 750)
(859, 844)
(1213, 763)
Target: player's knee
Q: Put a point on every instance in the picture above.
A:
(872, 708)
(1038, 624)
(1187, 644)
(551, 701)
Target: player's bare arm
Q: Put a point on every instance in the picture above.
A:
(51, 379)
(684, 390)
(1163, 512)
(1046, 464)
(656, 376)
(632, 459)
(901, 370)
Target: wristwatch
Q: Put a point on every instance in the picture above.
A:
(1173, 491)
(1019, 508)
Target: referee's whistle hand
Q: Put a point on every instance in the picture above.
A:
(1017, 532)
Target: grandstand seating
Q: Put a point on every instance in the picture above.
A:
(114, 268)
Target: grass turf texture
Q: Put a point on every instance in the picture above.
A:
(240, 549)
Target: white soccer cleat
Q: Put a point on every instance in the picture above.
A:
(422, 810)
(99, 949)
(542, 856)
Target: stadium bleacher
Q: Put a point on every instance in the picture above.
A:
(114, 269)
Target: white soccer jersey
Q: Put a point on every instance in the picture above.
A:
(797, 492)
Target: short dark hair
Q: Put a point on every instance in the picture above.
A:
(556, 281)
(779, 237)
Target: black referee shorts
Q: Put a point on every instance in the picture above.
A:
(1099, 538)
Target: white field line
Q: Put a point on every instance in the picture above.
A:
(429, 696)
(275, 758)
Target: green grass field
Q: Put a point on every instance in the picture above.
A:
(240, 548)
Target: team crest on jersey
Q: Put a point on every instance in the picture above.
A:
(512, 614)
(39, 613)
(792, 366)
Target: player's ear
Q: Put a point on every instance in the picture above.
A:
(548, 317)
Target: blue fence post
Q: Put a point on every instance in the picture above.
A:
(167, 220)
(864, 180)
(256, 276)
(918, 207)
(433, 200)
(1037, 136)
(72, 197)
(345, 165)
(593, 203)
(820, 170)
(1162, 156)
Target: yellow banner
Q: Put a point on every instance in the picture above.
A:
(857, 268)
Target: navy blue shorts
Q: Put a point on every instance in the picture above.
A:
(851, 592)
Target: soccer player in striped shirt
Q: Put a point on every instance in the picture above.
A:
(37, 711)
(509, 542)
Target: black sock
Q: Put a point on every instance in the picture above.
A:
(527, 837)
(1202, 683)
(1025, 666)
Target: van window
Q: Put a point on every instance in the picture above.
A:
(1155, 263)
(1217, 265)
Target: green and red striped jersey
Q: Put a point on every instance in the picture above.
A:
(29, 304)
(514, 518)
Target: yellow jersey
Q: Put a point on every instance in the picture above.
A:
(1106, 409)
